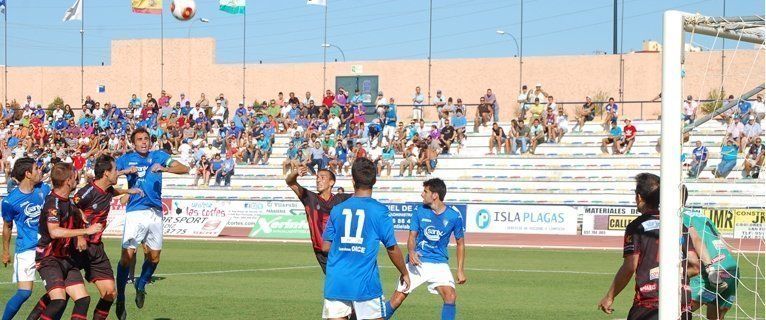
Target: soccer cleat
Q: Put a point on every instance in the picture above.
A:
(120, 310)
(140, 296)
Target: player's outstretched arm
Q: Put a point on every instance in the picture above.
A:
(7, 227)
(292, 181)
(57, 232)
(398, 260)
(119, 191)
(176, 167)
(460, 260)
(621, 279)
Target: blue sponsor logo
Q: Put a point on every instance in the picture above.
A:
(483, 219)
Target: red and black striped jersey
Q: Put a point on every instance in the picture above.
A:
(95, 204)
(642, 237)
(318, 212)
(61, 211)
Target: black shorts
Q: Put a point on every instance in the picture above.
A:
(95, 263)
(58, 273)
(643, 313)
(322, 259)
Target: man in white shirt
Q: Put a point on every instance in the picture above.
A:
(523, 100)
(752, 130)
(334, 123)
(734, 132)
(97, 112)
(417, 102)
(690, 109)
(439, 101)
(759, 108)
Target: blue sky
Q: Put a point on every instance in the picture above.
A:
(288, 31)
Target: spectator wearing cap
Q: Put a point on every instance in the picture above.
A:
(491, 99)
(610, 114)
(629, 136)
(751, 131)
(699, 160)
(439, 101)
(754, 159)
(690, 109)
(418, 99)
(539, 93)
(728, 159)
(614, 138)
(536, 110)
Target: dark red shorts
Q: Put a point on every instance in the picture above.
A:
(95, 263)
(58, 273)
(638, 312)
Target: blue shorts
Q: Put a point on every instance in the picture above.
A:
(433, 163)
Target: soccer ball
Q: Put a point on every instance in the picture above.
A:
(183, 10)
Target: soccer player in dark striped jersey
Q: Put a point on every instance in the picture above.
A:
(60, 224)
(318, 205)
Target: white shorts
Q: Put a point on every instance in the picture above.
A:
(417, 113)
(143, 226)
(436, 274)
(369, 309)
(24, 266)
(389, 132)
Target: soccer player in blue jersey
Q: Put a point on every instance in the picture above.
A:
(430, 229)
(143, 217)
(352, 237)
(22, 207)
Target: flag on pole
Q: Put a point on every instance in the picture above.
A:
(147, 6)
(2, 6)
(232, 6)
(74, 13)
(317, 2)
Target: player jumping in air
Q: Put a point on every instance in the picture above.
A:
(61, 225)
(716, 285)
(351, 237)
(430, 229)
(143, 216)
(318, 206)
(22, 208)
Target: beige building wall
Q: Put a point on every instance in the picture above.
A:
(190, 68)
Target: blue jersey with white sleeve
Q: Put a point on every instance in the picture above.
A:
(144, 179)
(434, 232)
(356, 227)
(23, 209)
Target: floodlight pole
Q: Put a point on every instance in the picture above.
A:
(670, 165)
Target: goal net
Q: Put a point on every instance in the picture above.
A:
(719, 270)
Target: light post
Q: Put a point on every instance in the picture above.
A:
(518, 50)
(327, 45)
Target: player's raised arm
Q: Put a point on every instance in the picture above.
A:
(292, 181)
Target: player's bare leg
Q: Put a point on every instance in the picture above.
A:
(449, 296)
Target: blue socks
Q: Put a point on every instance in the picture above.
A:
(15, 302)
(389, 311)
(147, 270)
(122, 280)
(448, 311)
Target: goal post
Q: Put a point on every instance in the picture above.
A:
(670, 164)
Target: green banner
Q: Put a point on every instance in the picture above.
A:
(280, 227)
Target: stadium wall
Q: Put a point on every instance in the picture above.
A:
(190, 67)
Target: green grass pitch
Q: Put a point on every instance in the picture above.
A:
(236, 280)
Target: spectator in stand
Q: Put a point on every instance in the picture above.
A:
(483, 114)
(386, 160)
(523, 100)
(226, 171)
(536, 111)
(551, 104)
(389, 130)
(615, 136)
(409, 159)
(539, 93)
(587, 113)
(610, 114)
(491, 99)
(449, 109)
(551, 124)
(439, 101)
(754, 159)
(497, 139)
(204, 170)
(317, 158)
(339, 163)
(752, 130)
(759, 108)
(341, 98)
(735, 131)
(699, 162)
(291, 162)
(537, 135)
(690, 109)
(745, 110)
(417, 104)
(728, 159)
(726, 116)
(219, 111)
(459, 122)
(328, 99)
(629, 136)
(446, 137)
(562, 125)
